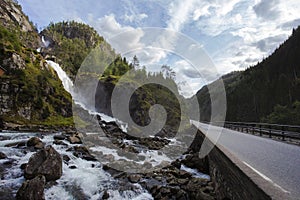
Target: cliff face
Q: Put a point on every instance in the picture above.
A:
(30, 91)
(12, 18)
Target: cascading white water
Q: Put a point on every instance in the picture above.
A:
(66, 81)
(90, 180)
(69, 87)
(45, 43)
(88, 177)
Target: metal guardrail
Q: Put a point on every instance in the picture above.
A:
(271, 130)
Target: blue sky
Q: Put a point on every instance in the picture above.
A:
(235, 34)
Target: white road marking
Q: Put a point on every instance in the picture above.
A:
(265, 177)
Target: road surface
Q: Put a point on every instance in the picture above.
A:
(277, 162)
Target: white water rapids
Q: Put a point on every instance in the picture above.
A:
(86, 178)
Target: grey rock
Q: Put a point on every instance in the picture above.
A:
(105, 195)
(83, 152)
(47, 162)
(32, 189)
(16, 144)
(134, 178)
(74, 139)
(2, 155)
(59, 137)
(35, 142)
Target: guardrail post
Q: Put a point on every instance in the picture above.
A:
(270, 131)
(282, 132)
(253, 129)
(260, 133)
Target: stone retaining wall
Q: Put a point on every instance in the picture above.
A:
(234, 180)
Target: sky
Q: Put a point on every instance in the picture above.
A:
(232, 34)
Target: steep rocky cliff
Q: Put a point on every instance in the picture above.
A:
(30, 91)
(12, 18)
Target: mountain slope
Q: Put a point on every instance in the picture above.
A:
(71, 42)
(30, 91)
(82, 52)
(252, 95)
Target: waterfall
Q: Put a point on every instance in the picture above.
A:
(45, 43)
(69, 87)
(66, 81)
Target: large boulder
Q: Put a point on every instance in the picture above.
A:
(47, 162)
(35, 142)
(32, 189)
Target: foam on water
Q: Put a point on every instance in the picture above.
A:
(149, 156)
(13, 178)
(195, 172)
(123, 126)
(88, 179)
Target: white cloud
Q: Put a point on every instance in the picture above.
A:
(199, 12)
(180, 12)
(225, 6)
(236, 33)
(130, 41)
(135, 17)
(148, 55)
(193, 77)
(257, 26)
(122, 38)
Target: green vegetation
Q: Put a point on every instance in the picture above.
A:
(71, 42)
(36, 95)
(117, 68)
(77, 45)
(146, 95)
(256, 94)
(285, 114)
(9, 41)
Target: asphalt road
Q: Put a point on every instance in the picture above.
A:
(275, 161)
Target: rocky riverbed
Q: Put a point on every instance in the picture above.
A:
(61, 165)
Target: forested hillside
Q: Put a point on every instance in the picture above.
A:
(76, 45)
(70, 43)
(268, 92)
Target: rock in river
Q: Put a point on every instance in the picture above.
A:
(2, 156)
(32, 189)
(47, 162)
(74, 139)
(35, 142)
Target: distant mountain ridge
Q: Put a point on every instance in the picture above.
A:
(259, 92)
